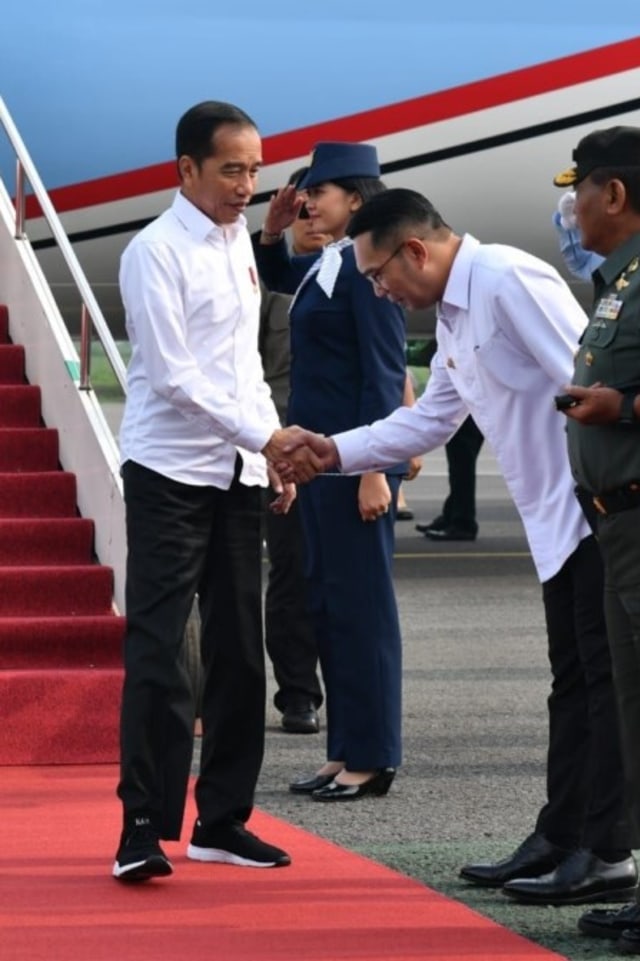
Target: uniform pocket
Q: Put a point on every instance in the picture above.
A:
(507, 364)
(600, 333)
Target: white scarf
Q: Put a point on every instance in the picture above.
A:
(327, 267)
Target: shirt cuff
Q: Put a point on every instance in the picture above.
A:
(352, 451)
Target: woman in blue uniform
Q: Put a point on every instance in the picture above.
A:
(347, 369)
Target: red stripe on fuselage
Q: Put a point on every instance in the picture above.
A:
(370, 124)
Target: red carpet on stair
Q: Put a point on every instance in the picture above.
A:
(58, 901)
(60, 640)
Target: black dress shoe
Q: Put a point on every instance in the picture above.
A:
(404, 514)
(300, 717)
(311, 784)
(581, 879)
(629, 941)
(533, 857)
(376, 786)
(609, 922)
(436, 525)
(449, 534)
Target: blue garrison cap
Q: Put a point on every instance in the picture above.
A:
(339, 161)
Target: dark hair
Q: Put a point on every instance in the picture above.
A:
(388, 214)
(197, 127)
(629, 176)
(366, 187)
(296, 176)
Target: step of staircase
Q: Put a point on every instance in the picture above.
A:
(38, 494)
(60, 716)
(49, 643)
(11, 364)
(81, 589)
(4, 324)
(28, 449)
(45, 541)
(19, 405)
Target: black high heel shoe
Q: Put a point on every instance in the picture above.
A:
(376, 786)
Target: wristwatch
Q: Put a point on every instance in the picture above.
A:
(627, 412)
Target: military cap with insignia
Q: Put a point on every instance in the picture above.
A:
(332, 160)
(613, 147)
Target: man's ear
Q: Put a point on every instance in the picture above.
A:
(615, 196)
(186, 167)
(417, 250)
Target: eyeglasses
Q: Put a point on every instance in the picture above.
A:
(376, 276)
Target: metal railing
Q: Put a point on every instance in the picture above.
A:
(91, 316)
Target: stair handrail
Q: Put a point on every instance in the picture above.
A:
(90, 309)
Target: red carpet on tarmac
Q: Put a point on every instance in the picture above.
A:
(58, 902)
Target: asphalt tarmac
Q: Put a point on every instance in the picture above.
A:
(476, 679)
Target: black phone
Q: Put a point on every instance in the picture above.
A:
(565, 401)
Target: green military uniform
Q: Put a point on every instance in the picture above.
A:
(605, 460)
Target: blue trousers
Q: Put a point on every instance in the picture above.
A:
(354, 612)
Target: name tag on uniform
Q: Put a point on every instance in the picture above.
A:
(608, 308)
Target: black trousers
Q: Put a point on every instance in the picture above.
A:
(619, 536)
(289, 635)
(585, 785)
(459, 509)
(184, 540)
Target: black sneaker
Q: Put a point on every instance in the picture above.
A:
(140, 856)
(231, 843)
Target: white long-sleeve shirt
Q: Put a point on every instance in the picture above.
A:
(196, 390)
(507, 330)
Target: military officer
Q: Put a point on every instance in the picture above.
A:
(604, 435)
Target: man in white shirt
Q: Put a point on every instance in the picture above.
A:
(198, 414)
(507, 330)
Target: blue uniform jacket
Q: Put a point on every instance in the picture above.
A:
(348, 363)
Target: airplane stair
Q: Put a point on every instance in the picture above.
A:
(60, 640)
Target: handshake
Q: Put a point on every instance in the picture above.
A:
(298, 455)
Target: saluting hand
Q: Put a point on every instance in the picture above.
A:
(284, 208)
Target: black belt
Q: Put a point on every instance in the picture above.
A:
(623, 499)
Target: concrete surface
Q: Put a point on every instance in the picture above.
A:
(476, 680)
